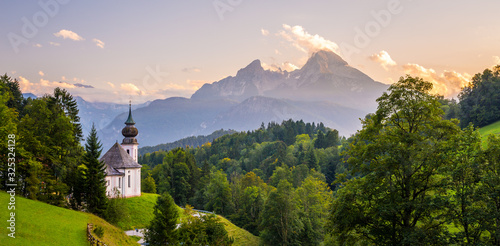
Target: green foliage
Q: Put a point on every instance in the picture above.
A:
(491, 189)
(189, 141)
(99, 231)
(203, 229)
(95, 175)
(218, 194)
(480, 100)
(162, 230)
(38, 223)
(281, 223)
(117, 210)
(149, 185)
(314, 196)
(399, 159)
(10, 87)
(51, 152)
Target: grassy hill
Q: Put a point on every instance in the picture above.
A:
(38, 223)
(141, 212)
(489, 129)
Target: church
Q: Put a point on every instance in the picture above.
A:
(123, 173)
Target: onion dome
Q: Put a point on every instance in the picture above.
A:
(129, 131)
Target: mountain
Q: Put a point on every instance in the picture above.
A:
(324, 77)
(166, 120)
(326, 89)
(100, 113)
(29, 95)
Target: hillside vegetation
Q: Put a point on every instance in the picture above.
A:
(38, 223)
(489, 129)
(141, 213)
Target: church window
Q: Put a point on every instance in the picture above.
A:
(119, 182)
(129, 181)
(128, 151)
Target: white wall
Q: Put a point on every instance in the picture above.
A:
(133, 150)
(135, 182)
(111, 183)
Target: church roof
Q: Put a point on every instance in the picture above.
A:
(117, 158)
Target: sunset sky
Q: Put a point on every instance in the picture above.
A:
(114, 51)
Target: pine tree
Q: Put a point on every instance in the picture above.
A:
(95, 182)
(162, 231)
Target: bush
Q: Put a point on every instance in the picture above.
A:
(99, 231)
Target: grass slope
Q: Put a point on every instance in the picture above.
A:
(38, 223)
(141, 212)
(493, 128)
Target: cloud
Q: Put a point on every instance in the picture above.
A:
(54, 84)
(264, 32)
(384, 59)
(306, 42)
(25, 85)
(277, 52)
(41, 73)
(111, 84)
(68, 34)
(98, 43)
(37, 45)
(448, 84)
(496, 60)
(54, 44)
(288, 66)
(131, 89)
(191, 70)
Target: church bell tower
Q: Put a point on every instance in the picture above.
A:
(129, 143)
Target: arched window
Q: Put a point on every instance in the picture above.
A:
(128, 151)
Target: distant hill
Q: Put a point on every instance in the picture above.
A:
(38, 223)
(29, 95)
(325, 89)
(189, 141)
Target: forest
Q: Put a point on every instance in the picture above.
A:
(415, 174)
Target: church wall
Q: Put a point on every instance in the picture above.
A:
(135, 182)
(111, 183)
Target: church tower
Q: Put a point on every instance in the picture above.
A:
(129, 143)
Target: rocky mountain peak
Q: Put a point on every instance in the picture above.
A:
(323, 61)
(253, 68)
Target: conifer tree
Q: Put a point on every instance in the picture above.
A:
(95, 182)
(162, 231)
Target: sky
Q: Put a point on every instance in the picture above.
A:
(116, 51)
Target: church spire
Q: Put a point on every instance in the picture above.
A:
(130, 120)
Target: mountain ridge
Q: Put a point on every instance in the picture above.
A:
(326, 89)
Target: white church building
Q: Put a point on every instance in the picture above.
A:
(122, 170)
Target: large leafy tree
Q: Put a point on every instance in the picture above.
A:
(467, 205)
(218, 194)
(281, 224)
(491, 188)
(399, 193)
(162, 229)
(95, 176)
(314, 196)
